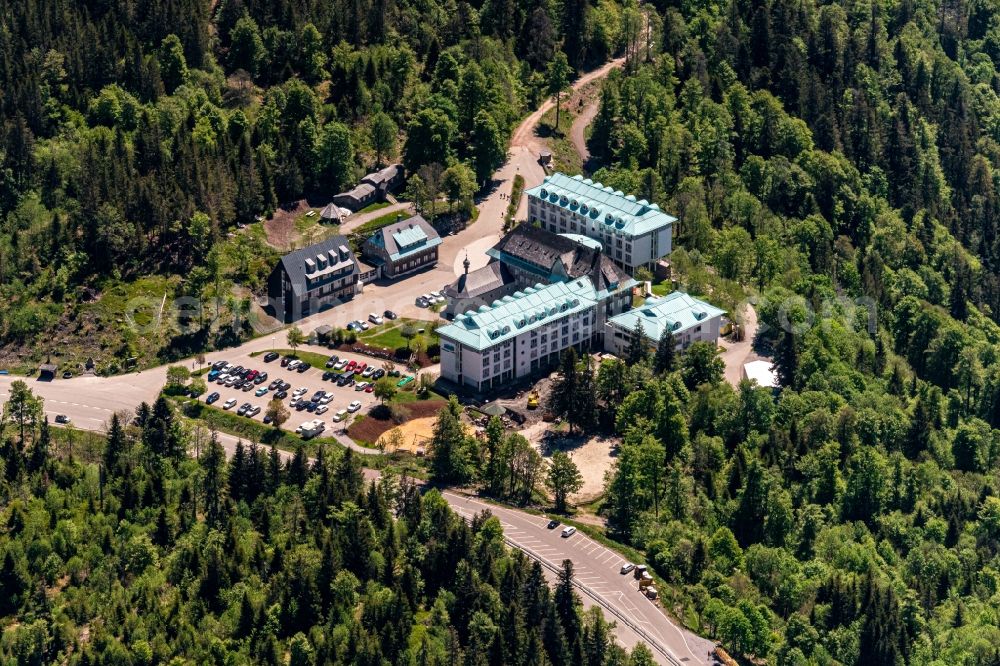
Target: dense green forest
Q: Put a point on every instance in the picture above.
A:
(137, 135)
(146, 556)
(835, 165)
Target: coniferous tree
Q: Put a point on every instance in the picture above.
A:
(665, 357)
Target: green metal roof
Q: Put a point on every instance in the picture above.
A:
(615, 210)
(408, 236)
(520, 312)
(586, 241)
(677, 311)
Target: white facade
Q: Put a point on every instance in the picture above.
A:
(633, 233)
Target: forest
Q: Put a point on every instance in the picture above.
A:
(143, 554)
(137, 138)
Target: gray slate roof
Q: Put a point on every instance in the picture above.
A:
(480, 281)
(294, 263)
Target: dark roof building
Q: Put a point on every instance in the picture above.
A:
(403, 247)
(312, 279)
(527, 256)
(373, 187)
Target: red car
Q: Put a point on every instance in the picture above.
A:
(369, 388)
(361, 366)
(351, 365)
(251, 375)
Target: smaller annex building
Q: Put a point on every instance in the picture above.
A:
(402, 247)
(690, 319)
(312, 279)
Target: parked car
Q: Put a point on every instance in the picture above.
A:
(285, 360)
(404, 381)
(294, 363)
(364, 325)
(438, 296)
(260, 378)
(390, 315)
(212, 397)
(275, 384)
(340, 365)
(568, 532)
(299, 391)
(332, 361)
(253, 411)
(261, 391)
(326, 399)
(340, 416)
(251, 375)
(361, 386)
(351, 365)
(285, 386)
(281, 395)
(627, 567)
(247, 386)
(229, 404)
(422, 302)
(302, 367)
(375, 319)
(219, 365)
(322, 409)
(213, 375)
(553, 524)
(327, 376)
(270, 356)
(370, 388)
(368, 372)
(354, 406)
(62, 418)
(243, 408)
(378, 374)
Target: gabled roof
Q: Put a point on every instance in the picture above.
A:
(318, 261)
(519, 313)
(617, 211)
(677, 311)
(483, 280)
(532, 247)
(384, 175)
(414, 234)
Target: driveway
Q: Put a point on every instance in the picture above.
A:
(736, 354)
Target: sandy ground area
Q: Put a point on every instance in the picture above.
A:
(593, 457)
(416, 434)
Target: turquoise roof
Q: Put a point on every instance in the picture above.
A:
(408, 236)
(586, 241)
(617, 211)
(520, 312)
(677, 311)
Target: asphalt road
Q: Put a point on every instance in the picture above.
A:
(597, 574)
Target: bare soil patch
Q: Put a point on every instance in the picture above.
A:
(370, 428)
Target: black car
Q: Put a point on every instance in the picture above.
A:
(553, 524)
(243, 408)
(302, 367)
(67, 374)
(311, 406)
(346, 380)
(267, 418)
(378, 374)
(300, 405)
(332, 361)
(270, 356)
(390, 315)
(285, 386)
(218, 365)
(260, 379)
(285, 360)
(281, 395)
(212, 397)
(273, 385)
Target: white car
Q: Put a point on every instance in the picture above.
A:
(340, 416)
(294, 363)
(374, 318)
(341, 364)
(568, 532)
(326, 399)
(353, 407)
(229, 404)
(299, 391)
(422, 302)
(322, 409)
(438, 296)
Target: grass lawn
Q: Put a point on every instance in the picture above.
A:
(371, 208)
(390, 335)
(564, 155)
(662, 288)
(312, 358)
(311, 230)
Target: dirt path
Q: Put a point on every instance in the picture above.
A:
(736, 354)
(578, 129)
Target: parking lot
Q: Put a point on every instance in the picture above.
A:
(311, 381)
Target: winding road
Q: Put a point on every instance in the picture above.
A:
(89, 401)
